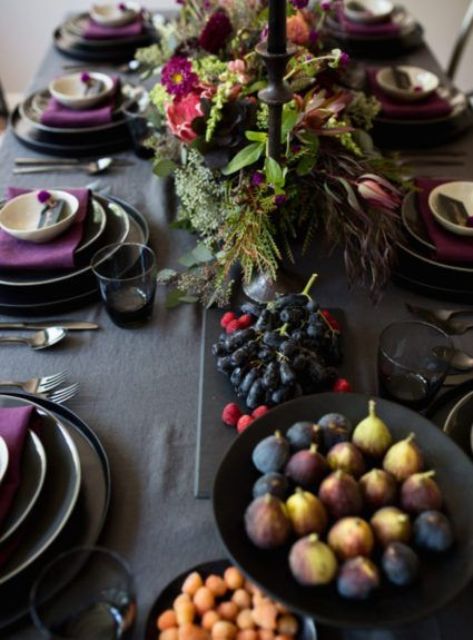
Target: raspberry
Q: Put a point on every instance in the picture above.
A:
(232, 326)
(260, 411)
(226, 318)
(333, 322)
(245, 321)
(342, 386)
(231, 414)
(244, 422)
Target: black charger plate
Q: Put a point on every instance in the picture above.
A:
(169, 594)
(441, 578)
(86, 522)
(72, 47)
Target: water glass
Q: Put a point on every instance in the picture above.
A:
(126, 274)
(413, 360)
(86, 593)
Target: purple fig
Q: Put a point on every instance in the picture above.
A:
(351, 537)
(267, 523)
(357, 578)
(312, 562)
(307, 468)
(346, 457)
(420, 493)
(341, 495)
(378, 488)
(271, 454)
(302, 434)
(433, 531)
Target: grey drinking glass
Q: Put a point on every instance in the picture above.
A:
(413, 360)
(126, 274)
(86, 593)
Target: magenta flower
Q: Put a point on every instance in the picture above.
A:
(257, 179)
(177, 76)
(85, 77)
(379, 192)
(326, 5)
(280, 200)
(299, 4)
(264, 33)
(313, 37)
(344, 58)
(216, 32)
(43, 196)
(122, 6)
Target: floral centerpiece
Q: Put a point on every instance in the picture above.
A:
(245, 207)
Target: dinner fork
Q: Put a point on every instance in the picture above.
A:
(444, 319)
(59, 396)
(37, 385)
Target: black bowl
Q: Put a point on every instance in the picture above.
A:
(169, 594)
(442, 576)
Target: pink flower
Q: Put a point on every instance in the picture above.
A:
(177, 76)
(239, 67)
(378, 192)
(181, 113)
(298, 31)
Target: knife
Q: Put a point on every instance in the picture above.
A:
(71, 325)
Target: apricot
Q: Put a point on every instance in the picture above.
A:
(228, 611)
(192, 632)
(223, 630)
(265, 634)
(183, 597)
(242, 598)
(217, 585)
(288, 625)
(192, 583)
(166, 620)
(204, 600)
(247, 634)
(171, 633)
(185, 612)
(245, 619)
(209, 619)
(265, 614)
(233, 578)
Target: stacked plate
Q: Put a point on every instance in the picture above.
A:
(109, 221)
(56, 506)
(73, 142)
(418, 269)
(69, 39)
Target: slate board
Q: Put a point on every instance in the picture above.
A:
(215, 391)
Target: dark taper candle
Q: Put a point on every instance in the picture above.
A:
(277, 26)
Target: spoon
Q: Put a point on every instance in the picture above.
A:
(457, 359)
(39, 340)
(91, 168)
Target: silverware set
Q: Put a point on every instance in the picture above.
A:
(445, 319)
(46, 387)
(45, 165)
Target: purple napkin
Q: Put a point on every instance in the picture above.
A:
(94, 31)
(430, 108)
(449, 247)
(56, 115)
(377, 29)
(57, 254)
(13, 428)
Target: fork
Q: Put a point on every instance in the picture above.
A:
(59, 396)
(37, 385)
(443, 318)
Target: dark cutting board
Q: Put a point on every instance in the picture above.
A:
(215, 391)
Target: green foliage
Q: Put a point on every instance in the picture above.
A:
(218, 102)
(244, 158)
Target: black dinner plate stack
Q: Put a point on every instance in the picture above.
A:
(30, 293)
(69, 39)
(61, 501)
(417, 267)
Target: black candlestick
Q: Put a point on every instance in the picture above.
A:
(277, 26)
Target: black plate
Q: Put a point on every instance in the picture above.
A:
(441, 578)
(86, 522)
(74, 29)
(451, 294)
(169, 594)
(413, 222)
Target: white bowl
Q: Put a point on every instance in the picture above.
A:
(20, 217)
(69, 90)
(423, 83)
(376, 11)
(110, 15)
(462, 191)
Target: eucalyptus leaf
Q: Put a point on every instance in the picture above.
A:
(202, 253)
(165, 275)
(247, 156)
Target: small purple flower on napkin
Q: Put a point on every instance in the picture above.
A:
(43, 196)
(85, 77)
(122, 6)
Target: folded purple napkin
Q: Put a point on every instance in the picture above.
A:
(14, 425)
(377, 29)
(57, 254)
(449, 247)
(56, 115)
(94, 31)
(434, 106)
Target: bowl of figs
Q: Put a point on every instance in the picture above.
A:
(349, 509)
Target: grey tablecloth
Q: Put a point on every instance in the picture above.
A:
(139, 392)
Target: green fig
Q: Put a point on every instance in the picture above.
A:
(372, 435)
(267, 523)
(312, 562)
(379, 489)
(390, 524)
(351, 537)
(306, 512)
(347, 457)
(403, 459)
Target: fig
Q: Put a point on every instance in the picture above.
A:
(271, 454)
(390, 524)
(400, 564)
(267, 523)
(347, 457)
(335, 428)
(351, 537)
(312, 562)
(403, 459)
(307, 467)
(420, 493)
(274, 483)
(341, 495)
(306, 513)
(357, 578)
(302, 434)
(371, 435)
(378, 488)
(433, 531)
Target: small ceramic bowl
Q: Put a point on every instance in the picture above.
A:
(375, 10)
(423, 83)
(20, 217)
(462, 191)
(110, 15)
(69, 90)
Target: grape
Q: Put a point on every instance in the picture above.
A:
(255, 394)
(265, 355)
(219, 349)
(225, 364)
(238, 338)
(265, 321)
(291, 300)
(237, 375)
(240, 356)
(293, 315)
(288, 348)
(271, 375)
(300, 362)
(286, 373)
(247, 381)
(312, 305)
(281, 395)
(252, 308)
(272, 339)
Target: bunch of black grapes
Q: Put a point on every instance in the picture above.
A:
(289, 351)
